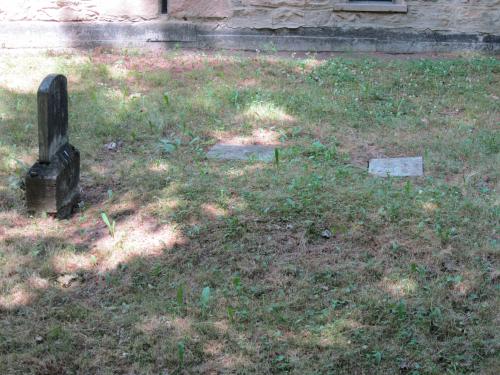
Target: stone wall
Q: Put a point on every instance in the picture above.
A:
(78, 10)
(443, 15)
(200, 9)
(111, 10)
(415, 25)
(482, 16)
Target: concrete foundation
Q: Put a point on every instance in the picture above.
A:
(53, 35)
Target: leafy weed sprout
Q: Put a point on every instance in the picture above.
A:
(111, 225)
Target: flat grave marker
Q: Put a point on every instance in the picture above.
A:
(222, 151)
(397, 167)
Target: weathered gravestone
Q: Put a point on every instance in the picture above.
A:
(52, 182)
(397, 167)
(241, 152)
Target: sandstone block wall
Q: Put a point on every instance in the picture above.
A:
(468, 16)
(111, 10)
(440, 15)
(200, 9)
(78, 10)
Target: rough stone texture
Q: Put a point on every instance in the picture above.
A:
(196, 9)
(466, 16)
(241, 152)
(450, 15)
(78, 10)
(397, 167)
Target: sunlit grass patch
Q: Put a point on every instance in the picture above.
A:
(262, 111)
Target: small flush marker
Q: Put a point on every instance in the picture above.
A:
(241, 152)
(397, 167)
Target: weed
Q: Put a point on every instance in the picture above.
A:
(166, 98)
(205, 299)
(111, 225)
(180, 295)
(230, 313)
(168, 146)
(181, 350)
(377, 357)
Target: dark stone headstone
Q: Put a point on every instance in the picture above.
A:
(52, 182)
(52, 116)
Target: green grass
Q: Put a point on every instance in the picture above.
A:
(220, 267)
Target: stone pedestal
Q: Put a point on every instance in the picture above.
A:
(53, 187)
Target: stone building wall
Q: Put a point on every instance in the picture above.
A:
(449, 15)
(323, 25)
(480, 16)
(78, 10)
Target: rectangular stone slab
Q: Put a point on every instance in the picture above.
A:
(397, 167)
(241, 152)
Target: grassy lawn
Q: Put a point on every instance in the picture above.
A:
(220, 267)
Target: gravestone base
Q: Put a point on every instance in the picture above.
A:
(53, 187)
